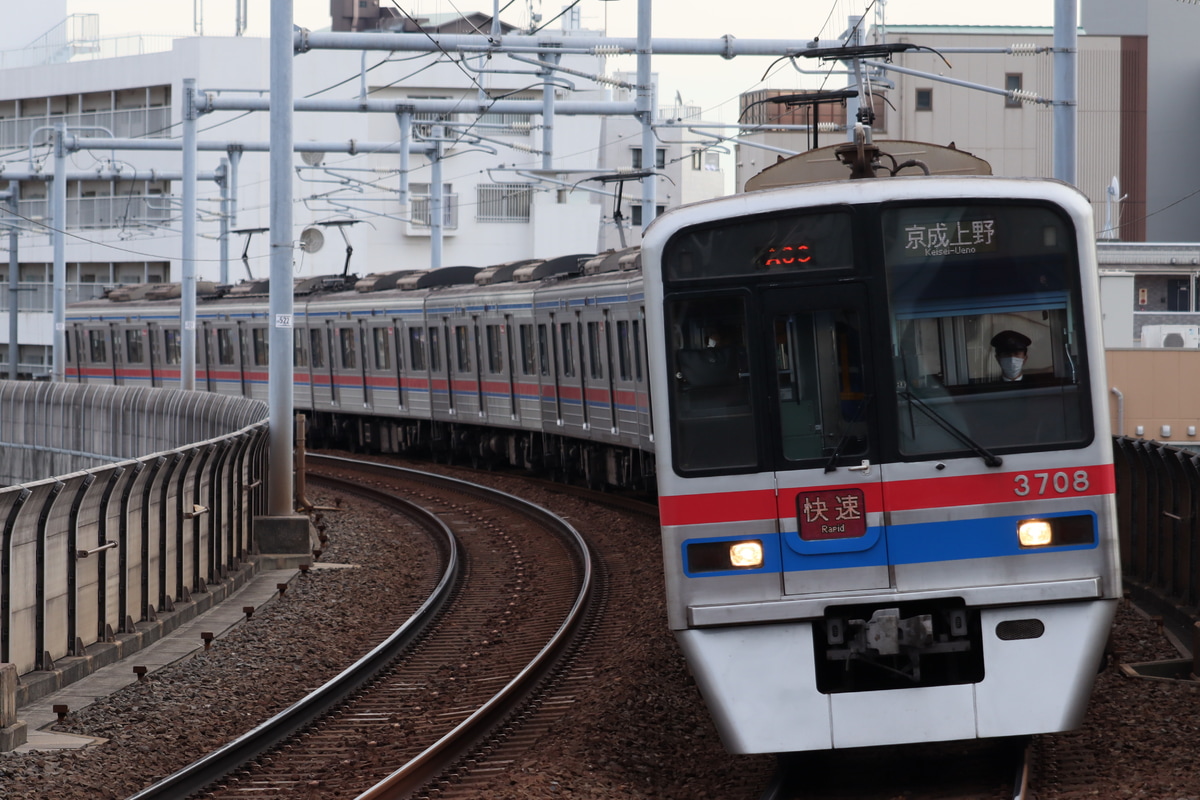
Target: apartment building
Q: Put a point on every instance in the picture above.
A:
(511, 186)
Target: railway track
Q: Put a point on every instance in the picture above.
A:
(516, 588)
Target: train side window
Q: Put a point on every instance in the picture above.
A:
(98, 347)
(299, 354)
(172, 346)
(462, 347)
(133, 347)
(543, 349)
(347, 341)
(262, 349)
(225, 352)
(568, 350)
(495, 350)
(623, 349)
(528, 351)
(316, 343)
(435, 349)
(416, 348)
(713, 419)
(383, 348)
(595, 354)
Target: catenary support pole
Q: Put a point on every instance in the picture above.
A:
(280, 501)
(59, 212)
(645, 105)
(187, 281)
(14, 280)
(224, 227)
(1066, 88)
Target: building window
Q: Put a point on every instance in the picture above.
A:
(503, 202)
(1012, 83)
(697, 158)
(660, 157)
(1179, 294)
(421, 207)
(924, 99)
(635, 213)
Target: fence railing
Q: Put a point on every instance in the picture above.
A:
(1158, 505)
(154, 499)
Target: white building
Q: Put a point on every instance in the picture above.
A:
(504, 198)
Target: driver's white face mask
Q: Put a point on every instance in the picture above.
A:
(1011, 366)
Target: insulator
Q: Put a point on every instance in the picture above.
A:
(1023, 49)
(1023, 96)
(611, 81)
(607, 50)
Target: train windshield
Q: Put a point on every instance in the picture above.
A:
(986, 339)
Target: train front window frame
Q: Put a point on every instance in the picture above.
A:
(714, 423)
(965, 281)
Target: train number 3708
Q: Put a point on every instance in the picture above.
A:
(1042, 483)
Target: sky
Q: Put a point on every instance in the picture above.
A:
(710, 82)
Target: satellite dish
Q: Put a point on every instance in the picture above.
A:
(313, 159)
(311, 240)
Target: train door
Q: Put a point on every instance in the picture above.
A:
(829, 498)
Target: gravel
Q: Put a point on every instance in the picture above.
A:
(640, 732)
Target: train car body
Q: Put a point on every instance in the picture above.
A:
(870, 536)
(532, 364)
(877, 526)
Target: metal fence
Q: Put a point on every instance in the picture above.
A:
(87, 555)
(1158, 504)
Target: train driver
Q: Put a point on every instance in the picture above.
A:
(1012, 348)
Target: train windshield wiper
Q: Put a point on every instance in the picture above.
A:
(989, 458)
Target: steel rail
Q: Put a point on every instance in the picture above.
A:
(221, 762)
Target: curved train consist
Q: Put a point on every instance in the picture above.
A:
(878, 527)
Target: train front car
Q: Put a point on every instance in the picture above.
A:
(884, 459)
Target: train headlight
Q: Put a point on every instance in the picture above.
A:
(1072, 530)
(746, 555)
(1035, 533)
(724, 556)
